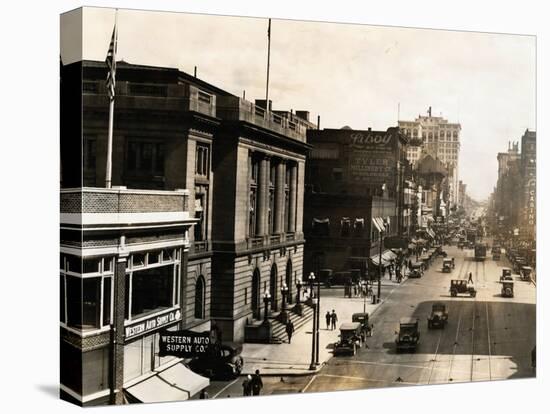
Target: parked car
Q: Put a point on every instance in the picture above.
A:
(363, 319)
(526, 272)
(408, 335)
(350, 337)
(506, 274)
(461, 286)
(438, 317)
(417, 270)
(507, 290)
(222, 362)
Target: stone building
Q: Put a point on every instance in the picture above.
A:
(204, 215)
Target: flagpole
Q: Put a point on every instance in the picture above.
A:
(268, 56)
(109, 162)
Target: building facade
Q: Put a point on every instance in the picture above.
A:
(204, 215)
(441, 139)
(355, 181)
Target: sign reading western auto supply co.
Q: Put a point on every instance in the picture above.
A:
(150, 324)
(184, 344)
(372, 157)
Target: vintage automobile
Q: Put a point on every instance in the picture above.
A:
(440, 252)
(496, 254)
(325, 277)
(519, 262)
(507, 290)
(447, 265)
(350, 337)
(408, 335)
(222, 362)
(438, 317)
(461, 286)
(526, 272)
(506, 274)
(363, 319)
(417, 270)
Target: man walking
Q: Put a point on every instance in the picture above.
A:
(289, 330)
(247, 386)
(328, 318)
(470, 280)
(257, 383)
(333, 320)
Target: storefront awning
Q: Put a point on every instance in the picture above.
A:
(378, 224)
(386, 257)
(177, 383)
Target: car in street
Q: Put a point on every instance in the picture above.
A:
(507, 290)
(363, 319)
(439, 316)
(408, 335)
(447, 265)
(417, 270)
(221, 362)
(506, 274)
(526, 272)
(349, 339)
(461, 286)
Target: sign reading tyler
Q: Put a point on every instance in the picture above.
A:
(184, 344)
(151, 324)
(372, 157)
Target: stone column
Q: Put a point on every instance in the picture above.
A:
(293, 193)
(279, 198)
(262, 197)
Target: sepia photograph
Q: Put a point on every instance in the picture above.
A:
(255, 206)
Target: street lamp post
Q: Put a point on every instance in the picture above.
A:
(298, 307)
(380, 262)
(267, 299)
(311, 279)
(284, 314)
(317, 329)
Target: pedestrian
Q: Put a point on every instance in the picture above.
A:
(327, 318)
(470, 280)
(247, 386)
(333, 320)
(257, 383)
(289, 330)
(390, 270)
(355, 289)
(410, 264)
(204, 394)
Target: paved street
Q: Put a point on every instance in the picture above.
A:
(486, 338)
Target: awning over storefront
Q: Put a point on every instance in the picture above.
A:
(177, 383)
(378, 224)
(387, 256)
(430, 233)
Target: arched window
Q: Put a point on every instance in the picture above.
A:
(200, 288)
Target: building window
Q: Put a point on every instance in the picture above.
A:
(201, 197)
(152, 290)
(358, 227)
(253, 169)
(337, 174)
(200, 289)
(202, 160)
(345, 224)
(271, 206)
(85, 292)
(145, 157)
(320, 227)
(89, 153)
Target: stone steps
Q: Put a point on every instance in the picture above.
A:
(279, 329)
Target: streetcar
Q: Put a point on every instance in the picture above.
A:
(480, 251)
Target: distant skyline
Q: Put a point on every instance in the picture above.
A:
(354, 75)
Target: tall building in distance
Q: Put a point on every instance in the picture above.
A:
(439, 138)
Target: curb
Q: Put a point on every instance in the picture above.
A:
(288, 374)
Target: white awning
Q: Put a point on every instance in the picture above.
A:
(177, 383)
(378, 223)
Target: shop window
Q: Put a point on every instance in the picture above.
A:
(167, 255)
(138, 260)
(91, 299)
(200, 298)
(152, 290)
(74, 264)
(153, 257)
(90, 265)
(358, 227)
(74, 301)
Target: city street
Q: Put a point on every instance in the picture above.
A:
(487, 337)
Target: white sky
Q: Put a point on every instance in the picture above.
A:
(349, 74)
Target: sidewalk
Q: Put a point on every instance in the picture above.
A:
(295, 358)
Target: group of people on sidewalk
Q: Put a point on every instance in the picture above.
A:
(253, 384)
(331, 319)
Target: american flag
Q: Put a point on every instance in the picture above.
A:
(111, 64)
